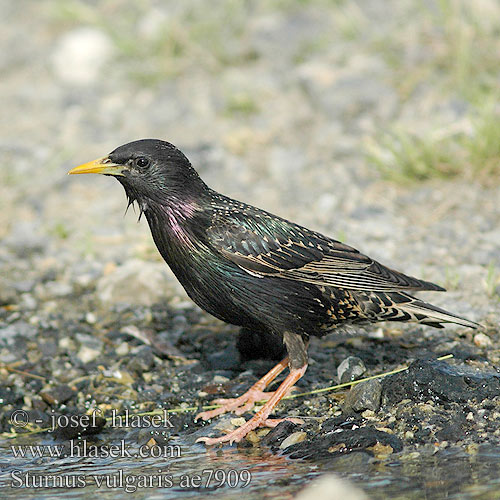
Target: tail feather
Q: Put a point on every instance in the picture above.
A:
(400, 306)
(433, 315)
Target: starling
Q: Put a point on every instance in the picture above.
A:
(254, 269)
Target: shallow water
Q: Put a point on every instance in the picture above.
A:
(188, 470)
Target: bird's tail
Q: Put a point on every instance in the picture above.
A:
(400, 306)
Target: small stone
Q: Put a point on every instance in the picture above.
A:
(296, 437)
(122, 349)
(57, 289)
(119, 376)
(57, 395)
(151, 443)
(364, 396)
(66, 343)
(352, 368)
(472, 449)
(219, 379)
(80, 56)
(279, 433)
(21, 329)
(135, 282)
(253, 437)
(90, 318)
(141, 359)
(381, 451)
(482, 340)
(89, 341)
(238, 422)
(329, 487)
(87, 354)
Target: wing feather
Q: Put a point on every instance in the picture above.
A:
(286, 250)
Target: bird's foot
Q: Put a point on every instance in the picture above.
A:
(261, 417)
(238, 434)
(239, 405)
(246, 401)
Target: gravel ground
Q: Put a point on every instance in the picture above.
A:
(290, 106)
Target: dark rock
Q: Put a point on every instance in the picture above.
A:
(72, 426)
(58, 395)
(147, 395)
(142, 359)
(440, 382)
(352, 368)
(277, 435)
(455, 428)
(39, 404)
(346, 441)
(40, 417)
(10, 396)
(341, 422)
(364, 396)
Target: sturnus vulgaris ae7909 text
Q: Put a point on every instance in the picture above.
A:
(250, 268)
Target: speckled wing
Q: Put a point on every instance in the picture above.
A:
(270, 246)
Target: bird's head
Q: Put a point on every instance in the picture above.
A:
(149, 170)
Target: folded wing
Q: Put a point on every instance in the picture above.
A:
(276, 247)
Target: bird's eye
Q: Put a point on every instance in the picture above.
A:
(142, 162)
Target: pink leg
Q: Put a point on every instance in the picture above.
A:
(262, 415)
(246, 401)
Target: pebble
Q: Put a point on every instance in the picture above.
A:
(296, 437)
(135, 282)
(141, 359)
(21, 329)
(482, 340)
(87, 354)
(123, 349)
(28, 302)
(90, 318)
(80, 56)
(352, 368)
(57, 395)
(330, 487)
(57, 289)
(364, 396)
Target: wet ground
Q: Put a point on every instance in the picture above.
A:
(342, 117)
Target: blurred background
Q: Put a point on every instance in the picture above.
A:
(376, 122)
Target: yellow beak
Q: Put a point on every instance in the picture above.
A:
(99, 166)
